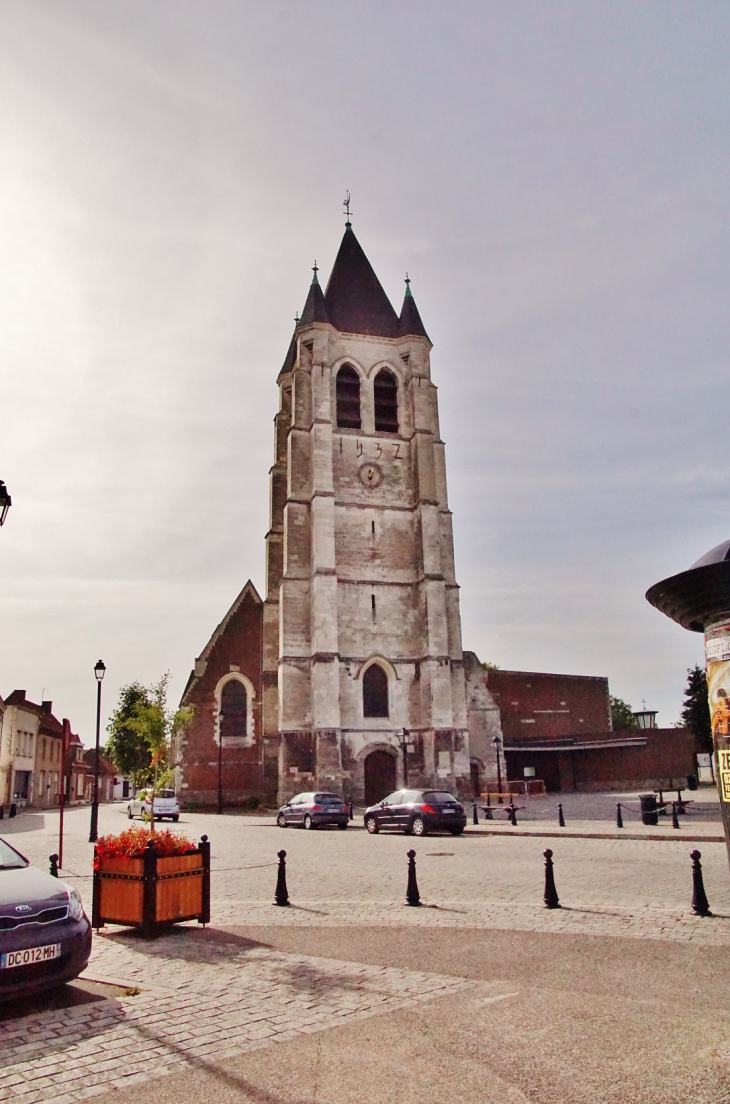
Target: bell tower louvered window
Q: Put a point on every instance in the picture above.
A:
(386, 402)
(375, 692)
(348, 398)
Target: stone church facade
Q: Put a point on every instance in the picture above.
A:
(356, 648)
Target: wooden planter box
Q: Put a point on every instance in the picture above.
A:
(153, 892)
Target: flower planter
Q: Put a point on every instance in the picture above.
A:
(153, 891)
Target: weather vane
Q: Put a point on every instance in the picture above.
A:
(408, 280)
(346, 205)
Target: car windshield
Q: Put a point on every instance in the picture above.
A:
(165, 793)
(327, 799)
(10, 859)
(438, 797)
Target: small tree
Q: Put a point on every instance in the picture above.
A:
(127, 750)
(157, 726)
(621, 714)
(695, 713)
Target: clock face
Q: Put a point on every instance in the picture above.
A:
(370, 474)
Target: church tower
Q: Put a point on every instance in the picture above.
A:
(361, 623)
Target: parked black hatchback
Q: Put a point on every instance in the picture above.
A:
(417, 812)
(310, 810)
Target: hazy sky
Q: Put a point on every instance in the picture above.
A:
(553, 174)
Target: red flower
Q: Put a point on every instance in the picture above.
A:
(131, 844)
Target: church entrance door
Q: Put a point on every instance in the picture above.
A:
(379, 776)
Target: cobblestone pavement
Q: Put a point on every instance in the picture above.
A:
(210, 1001)
(327, 866)
(208, 996)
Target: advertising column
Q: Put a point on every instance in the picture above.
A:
(717, 658)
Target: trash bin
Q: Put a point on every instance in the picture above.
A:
(691, 781)
(648, 809)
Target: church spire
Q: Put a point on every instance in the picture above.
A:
(354, 298)
(410, 324)
(314, 308)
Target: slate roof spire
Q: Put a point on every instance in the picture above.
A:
(410, 324)
(314, 308)
(354, 298)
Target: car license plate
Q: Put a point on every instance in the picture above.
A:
(447, 810)
(29, 956)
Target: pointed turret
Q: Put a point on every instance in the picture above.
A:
(314, 308)
(354, 298)
(410, 324)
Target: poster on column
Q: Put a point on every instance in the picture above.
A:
(717, 651)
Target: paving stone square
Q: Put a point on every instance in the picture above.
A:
(197, 1002)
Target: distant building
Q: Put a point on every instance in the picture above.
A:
(558, 729)
(107, 776)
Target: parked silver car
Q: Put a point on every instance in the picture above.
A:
(167, 805)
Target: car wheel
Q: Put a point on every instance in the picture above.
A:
(175, 819)
(342, 827)
(308, 822)
(418, 826)
(281, 820)
(456, 831)
(129, 813)
(372, 825)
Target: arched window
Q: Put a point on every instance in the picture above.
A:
(234, 709)
(348, 398)
(386, 402)
(375, 692)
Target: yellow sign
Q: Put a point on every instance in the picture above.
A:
(723, 765)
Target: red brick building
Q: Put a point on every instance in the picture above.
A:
(225, 689)
(559, 726)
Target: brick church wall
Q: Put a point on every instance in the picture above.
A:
(235, 648)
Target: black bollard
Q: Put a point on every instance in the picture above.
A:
(53, 859)
(561, 818)
(550, 899)
(13, 810)
(351, 816)
(281, 897)
(1, 812)
(700, 904)
(675, 822)
(413, 897)
(619, 818)
(512, 814)
(476, 815)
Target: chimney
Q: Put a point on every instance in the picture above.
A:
(47, 706)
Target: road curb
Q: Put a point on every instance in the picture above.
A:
(563, 834)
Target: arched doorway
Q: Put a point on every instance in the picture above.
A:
(379, 776)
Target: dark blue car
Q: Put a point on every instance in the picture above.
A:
(45, 935)
(312, 810)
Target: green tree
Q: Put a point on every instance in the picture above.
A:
(622, 715)
(125, 747)
(695, 713)
(157, 726)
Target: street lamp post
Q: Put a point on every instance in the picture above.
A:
(403, 736)
(497, 741)
(99, 670)
(5, 502)
(219, 810)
